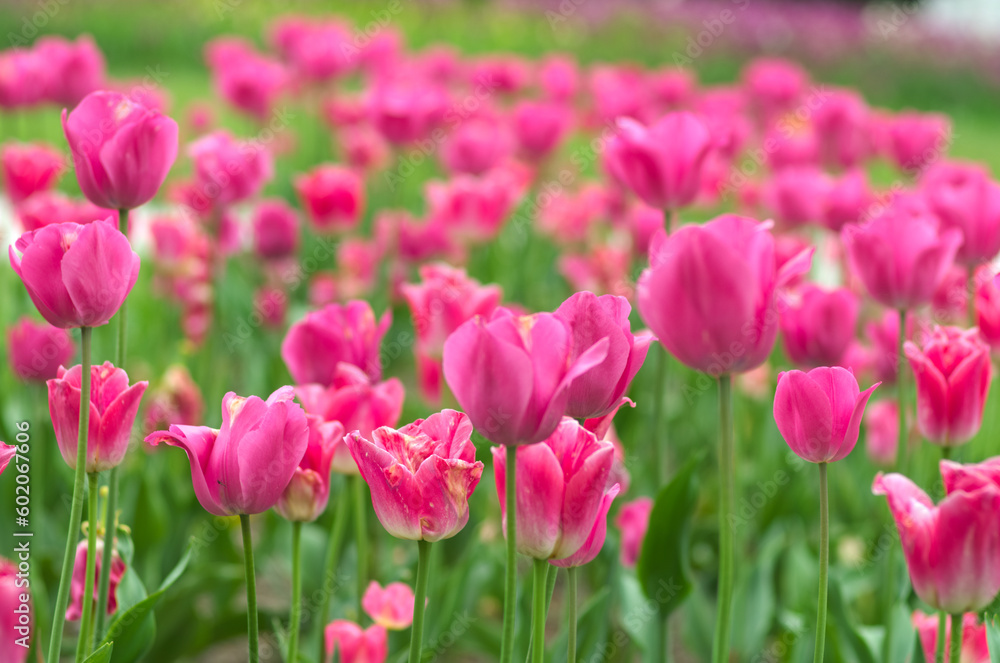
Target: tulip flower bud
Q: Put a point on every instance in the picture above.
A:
(76, 589)
(37, 349)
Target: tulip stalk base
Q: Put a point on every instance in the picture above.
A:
(538, 612)
(956, 639)
(510, 579)
(824, 565)
(330, 570)
(419, 600)
(941, 637)
(296, 616)
(727, 480)
(571, 654)
(251, 590)
(76, 508)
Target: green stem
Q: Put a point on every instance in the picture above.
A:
(510, 579)
(571, 656)
(361, 534)
(296, 617)
(824, 565)
(86, 622)
(419, 600)
(330, 569)
(942, 637)
(956, 638)
(538, 612)
(251, 589)
(659, 433)
(76, 508)
(104, 585)
(720, 647)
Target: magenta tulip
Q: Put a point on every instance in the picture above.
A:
(633, 521)
(512, 375)
(28, 169)
(591, 318)
(795, 195)
(391, 607)
(820, 326)
(902, 254)
(77, 276)
(355, 401)
(406, 111)
(843, 126)
(975, 648)
(226, 170)
(439, 305)
(964, 197)
(709, 293)
(914, 140)
(591, 548)
(819, 412)
(882, 432)
(78, 68)
(76, 589)
(122, 151)
(952, 373)
(950, 548)
(987, 298)
(16, 615)
(562, 486)
(333, 197)
(317, 343)
(275, 229)
(244, 467)
(849, 199)
(661, 164)
(559, 77)
(476, 145)
(884, 336)
(7, 453)
(308, 492)
(352, 644)
(540, 127)
(37, 349)
(420, 476)
(113, 406)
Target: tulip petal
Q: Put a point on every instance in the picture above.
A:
(804, 415)
(198, 442)
(116, 427)
(540, 489)
(99, 270)
(595, 541)
(395, 493)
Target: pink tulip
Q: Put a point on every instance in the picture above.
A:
(512, 375)
(77, 276)
(591, 548)
(472, 207)
(820, 327)
(952, 373)
(819, 412)
(16, 619)
(271, 304)
(122, 151)
(559, 77)
(671, 88)
(321, 51)
(249, 81)
(848, 199)
(562, 488)
(77, 587)
(37, 349)
(355, 401)
(843, 128)
(317, 343)
(591, 318)
(540, 127)
(618, 91)
(406, 111)
(988, 309)
(275, 229)
(24, 78)
(364, 150)
(950, 548)
(709, 293)
(113, 407)
(353, 645)
(796, 195)
(77, 68)
(47, 208)
(29, 168)
(633, 521)
(308, 492)
(914, 140)
(882, 432)
(975, 648)
(333, 197)
(774, 85)
(476, 145)
(244, 467)
(390, 607)
(661, 164)
(439, 305)
(7, 453)
(226, 170)
(178, 400)
(791, 146)
(421, 476)
(884, 335)
(950, 303)
(964, 197)
(902, 254)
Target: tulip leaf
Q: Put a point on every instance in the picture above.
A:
(134, 628)
(102, 655)
(663, 569)
(903, 636)
(993, 637)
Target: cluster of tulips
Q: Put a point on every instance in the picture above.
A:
(912, 261)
